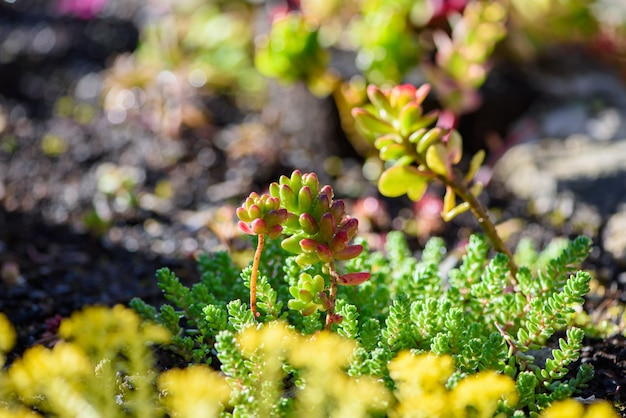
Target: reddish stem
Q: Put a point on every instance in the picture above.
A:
(331, 317)
(255, 274)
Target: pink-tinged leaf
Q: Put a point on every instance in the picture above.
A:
(338, 209)
(322, 204)
(275, 217)
(296, 180)
(349, 252)
(351, 226)
(401, 95)
(310, 180)
(324, 253)
(421, 93)
(308, 224)
(254, 212)
(242, 214)
(258, 226)
(274, 231)
(245, 228)
(308, 245)
(353, 279)
(271, 203)
(339, 241)
(328, 227)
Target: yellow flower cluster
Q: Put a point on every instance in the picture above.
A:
(421, 392)
(570, 408)
(7, 337)
(102, 368)
(196, 391)
(327, 390)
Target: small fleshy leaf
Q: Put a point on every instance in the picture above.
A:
(370, 124)
(436, 159)
(338, 209)
(274, 190)
(308, 245)
(349, 252)
(254, 212)
(389, 139)
(409, 116)
(380, 101)
(242, 214)
(475, 164)
(432, 136)
(449, 201)
(308, 224)
(292, 244)
(401, 179)
(415, 137)
(328, 226)
(288, 198)
(454, 147)
(274, 231)
(304, 295)
(339, 241)
(353, 279)
(245, 228)
(421, 93)
(258, 226)
(401, 94)
(295, 182)
(454, 212)
(392, 152)
(350, 225)
(310, 180)
(305, 199)
(324, 253)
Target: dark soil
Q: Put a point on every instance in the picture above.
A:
(56, 256)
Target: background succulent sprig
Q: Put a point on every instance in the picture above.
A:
(416, 153)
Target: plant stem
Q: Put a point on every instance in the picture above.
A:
(482, 217)
(255, 274)
(332, 297)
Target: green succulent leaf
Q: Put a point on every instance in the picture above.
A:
(401, 179)
(436, 159)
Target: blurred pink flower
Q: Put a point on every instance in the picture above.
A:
(83, 9)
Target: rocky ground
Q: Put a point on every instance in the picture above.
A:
(90, 207)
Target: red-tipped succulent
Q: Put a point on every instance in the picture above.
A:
(261, 214)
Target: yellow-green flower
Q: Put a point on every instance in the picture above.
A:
(570, 408)
(196, 391)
